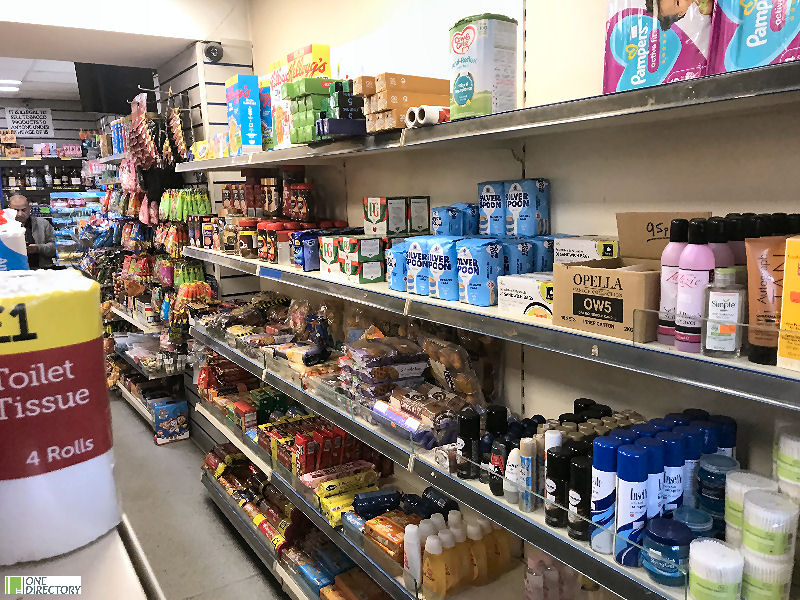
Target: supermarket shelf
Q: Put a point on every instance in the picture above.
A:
(737, 377)
(110, 181)
(37, 191)
(149, 375)
(38, 161)
(359, 429)
(259, 457)
(740, 91)
(137, 404)
(254, 538)
(113, 159)
(628, 583)
(130, 318)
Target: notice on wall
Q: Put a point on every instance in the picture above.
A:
(30, 122)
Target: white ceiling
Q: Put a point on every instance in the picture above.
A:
(41, 79)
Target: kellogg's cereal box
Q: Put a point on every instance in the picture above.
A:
(313, 60)
(244, 114)
(281, 107)
(265, 99)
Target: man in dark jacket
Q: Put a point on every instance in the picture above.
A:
(39, 236)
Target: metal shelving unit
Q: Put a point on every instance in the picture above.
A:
(743, 90)
(38, 161)
(630, 583)
(113, 159)
(130, 318)
(263, 461)
(137, 404)
(254, 538)
(737, 377)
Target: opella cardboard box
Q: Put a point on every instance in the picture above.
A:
(646, 234)
(608, 297)
(412, 83)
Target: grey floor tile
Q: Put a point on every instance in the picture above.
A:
(193, 550)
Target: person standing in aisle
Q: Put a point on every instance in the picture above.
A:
(39, 236)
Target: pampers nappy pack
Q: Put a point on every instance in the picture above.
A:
(417, 273)
(442, 272)
(492, 208)
(649, 42)
(753, 33)
(480, 263)
(396, 266)
(527, 207)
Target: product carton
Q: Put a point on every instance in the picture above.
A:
(385, 216)
(526, 296)
(7, 136)
(265, 100)
(329, 254)
(364, 85)
(789, 337)
(171, 421)
(313, 60)
(585, 247)
(419, 214)
(646, 234)
(244, 114)
(401, 100)
(281, 109)
(362, 248)
(363, 272)
(412, 83)
(14, 152)
(616, 297)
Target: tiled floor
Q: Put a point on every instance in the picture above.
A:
(194, 552)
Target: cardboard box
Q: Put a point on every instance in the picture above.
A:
(7, 136)
(362, 248)
(646, 234)
(364, 85)
(244, 114)
(363, 272)
(385, 216)
(789, 337)
(388, 99)
(265, 102)
(526, 296)
(12, 152)
(329, 254)
(585, 247)
(313, 60)
(412, 83)
(606, 297)
(419, 214)
(171, 421)
(313, 85)
(393, 119)
(281, 109)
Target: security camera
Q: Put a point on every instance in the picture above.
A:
(213, 52)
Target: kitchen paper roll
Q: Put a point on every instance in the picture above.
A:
(56, 481)
(431, 115)
(411, 117)
(13, 250)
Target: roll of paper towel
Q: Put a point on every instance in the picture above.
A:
(56, 474)
(13, 251)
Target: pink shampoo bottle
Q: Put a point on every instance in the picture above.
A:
(695, 272)
(670, 257)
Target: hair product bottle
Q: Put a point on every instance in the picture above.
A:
(695, 271)
(670, 258)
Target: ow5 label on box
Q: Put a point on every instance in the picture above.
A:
(492, 208)
(529, 295)
(385, 216)
(585, 247)
(244, 114)
(527, 207)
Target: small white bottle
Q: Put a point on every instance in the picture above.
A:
(412, 558)
(724, 309)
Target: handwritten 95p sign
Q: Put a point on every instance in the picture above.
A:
(30, 122)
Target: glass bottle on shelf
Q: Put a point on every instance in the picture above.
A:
(75, 177)
(48, 177)
(65, 177)
(10, 179)
(21, 182)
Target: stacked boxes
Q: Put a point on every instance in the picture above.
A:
(397, 215)
(244, 114)
(388, 97)
(344, 113)
(308, 99)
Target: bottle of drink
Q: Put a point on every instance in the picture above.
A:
(65, 177)
(75, 178)
(48, 177)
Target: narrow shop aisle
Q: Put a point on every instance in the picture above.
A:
(194, 552)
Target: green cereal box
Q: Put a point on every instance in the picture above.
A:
(362, 248)
(385, 216)
(364, 272)
(419, 214)
(329, 254)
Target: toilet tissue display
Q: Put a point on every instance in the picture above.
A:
(13, 253)
(649, 42)
(56, 474)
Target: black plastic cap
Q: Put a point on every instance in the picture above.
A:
(469, 424)
(558, 460)
(794, 223)
(697, 232)
(581, 404)
(780, 224)
(497, 420)
(762, 226)
(567, 417)
(734, 228)
(715, 231)
(679, 230)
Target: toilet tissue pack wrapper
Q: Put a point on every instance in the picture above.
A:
(56, 475)
(13, 250)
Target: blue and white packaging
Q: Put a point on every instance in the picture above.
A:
(442, 270)
(631, 504)
(417, 273)
(655, 475)
(480, 263)
(492, 208)
(518, 255)
(604, 493)
(674, 459)
(693, 440)
(396, 267)
(13, 250)
(527, 207)
(471, 217)
(543, 253)
(447, 220)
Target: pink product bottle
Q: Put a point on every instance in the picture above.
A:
(735, 228)
(718, 242)
(678, 236)
(696, 268)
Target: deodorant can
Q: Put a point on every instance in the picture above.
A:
(604, 493)
(674, 458)
(631, 504)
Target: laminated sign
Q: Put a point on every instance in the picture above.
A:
(56, 482)
(30, 122)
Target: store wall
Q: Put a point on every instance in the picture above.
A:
(68, 120)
